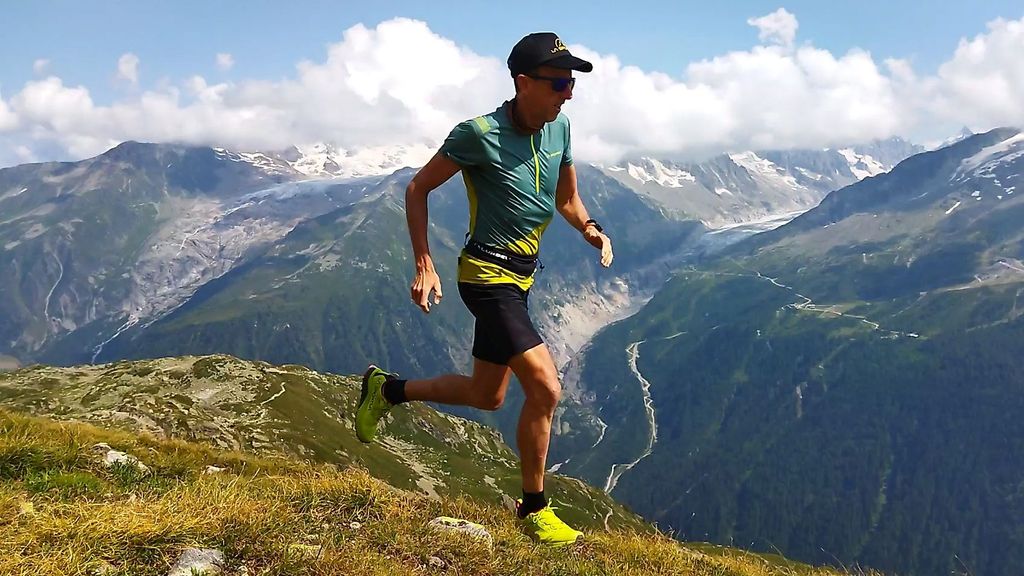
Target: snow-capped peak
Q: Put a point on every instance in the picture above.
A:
(964, 134)
(764, 170)
(862, 165)
(267, 163)
(324, 160)
(651, 170)
(753, 163)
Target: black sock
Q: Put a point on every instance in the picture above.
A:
(394, 391)
(532, 501)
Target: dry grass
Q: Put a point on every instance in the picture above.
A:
(62, 512)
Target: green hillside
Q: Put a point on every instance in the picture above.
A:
(63, 512)
(258, 407)
(847, 389)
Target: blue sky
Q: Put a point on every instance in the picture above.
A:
(83, 39)
(81, 42)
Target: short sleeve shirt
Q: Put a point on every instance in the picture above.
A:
(510, 180)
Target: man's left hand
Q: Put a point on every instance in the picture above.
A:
(601, 242)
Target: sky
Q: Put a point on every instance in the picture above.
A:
(671, 79)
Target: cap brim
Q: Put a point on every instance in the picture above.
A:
(570, 62)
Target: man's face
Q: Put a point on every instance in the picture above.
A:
(540, 93)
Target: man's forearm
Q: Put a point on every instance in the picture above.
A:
(416, 217)
(574, 212)
(567, 198)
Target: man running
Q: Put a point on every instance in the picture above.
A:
(518, 169)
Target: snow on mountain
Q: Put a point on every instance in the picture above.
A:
(963, 134)
(809, 174)
(764, 169)
(325, 160)
(862, 165)
(322, 160)
(748, 186)
(651, 170)
(982, 163)
(269, 164)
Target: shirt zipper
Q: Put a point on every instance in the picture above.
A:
(536, 163)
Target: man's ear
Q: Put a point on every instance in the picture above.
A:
(520, 81)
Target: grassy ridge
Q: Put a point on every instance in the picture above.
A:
(259, 408)
(63, 512)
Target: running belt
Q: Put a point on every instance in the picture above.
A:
(514, 263)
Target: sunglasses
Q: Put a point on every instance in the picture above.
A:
(557, 84)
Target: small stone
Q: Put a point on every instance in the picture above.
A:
(115, 457)
(101, 448)
(436, 562)
(448, 524)
(211, 469)
(196, 561)
(355, 525)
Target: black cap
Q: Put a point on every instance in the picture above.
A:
(543, 49)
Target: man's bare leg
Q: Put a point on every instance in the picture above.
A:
(539, 378)
(485, 389)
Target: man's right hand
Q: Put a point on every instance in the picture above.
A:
(426, 281)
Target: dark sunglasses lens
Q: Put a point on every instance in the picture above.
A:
(562, 84)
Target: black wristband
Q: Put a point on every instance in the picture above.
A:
(593, 223)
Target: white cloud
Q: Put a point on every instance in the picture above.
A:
(24, 154)
(400, 83)
(225, 61)
(396, 83)
(8, 120)
(983, 84)
(779, 27)
(40, 66)
(128, 68)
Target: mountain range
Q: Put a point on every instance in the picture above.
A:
(818, 388)
(112, 244)
(846, 387)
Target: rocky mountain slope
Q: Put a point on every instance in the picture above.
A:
(749, 186)
(844, 388)
(260, 408)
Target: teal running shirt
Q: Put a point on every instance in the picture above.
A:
(510, 180)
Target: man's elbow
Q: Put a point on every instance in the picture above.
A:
(413, 191)
(565, 202)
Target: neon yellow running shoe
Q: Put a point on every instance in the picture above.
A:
(372, 404)
(546, 528)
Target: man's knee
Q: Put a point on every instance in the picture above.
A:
(543, 389)
(546, 397)
(489, 391)
(491, 401)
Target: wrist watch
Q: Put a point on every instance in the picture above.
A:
(593, 223)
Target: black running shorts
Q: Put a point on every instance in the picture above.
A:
(503, 326)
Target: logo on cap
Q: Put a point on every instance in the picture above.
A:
(559, 46)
